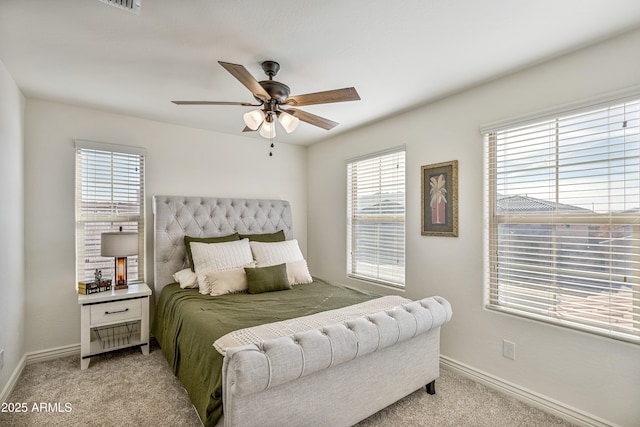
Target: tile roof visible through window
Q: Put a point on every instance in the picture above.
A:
(512, 204)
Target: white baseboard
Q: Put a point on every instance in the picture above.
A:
(532, 398)
(34, 357)
(13, 380)
(52, 353)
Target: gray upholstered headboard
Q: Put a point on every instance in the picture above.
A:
(179, 216)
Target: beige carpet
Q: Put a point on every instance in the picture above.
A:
(129, 389)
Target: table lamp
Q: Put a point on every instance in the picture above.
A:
(119, 245)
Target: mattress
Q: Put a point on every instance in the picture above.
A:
(187, 323)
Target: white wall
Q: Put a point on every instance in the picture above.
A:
(597, 376)
(12, 293)
(180, 161)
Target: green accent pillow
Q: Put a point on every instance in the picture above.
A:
(278, 236)
(219, 239)
(267, 279)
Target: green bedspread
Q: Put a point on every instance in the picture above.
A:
(187, 323)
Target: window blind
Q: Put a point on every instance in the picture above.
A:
(564, 219)
(376, 218)
(109, 195)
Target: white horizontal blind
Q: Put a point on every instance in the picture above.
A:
(564, 220)
(376, 218)
(109, 195)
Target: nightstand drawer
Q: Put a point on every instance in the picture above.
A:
(116, 311)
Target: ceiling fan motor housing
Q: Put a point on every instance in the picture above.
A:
(276, 90)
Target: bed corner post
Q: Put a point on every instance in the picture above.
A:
(431, 387)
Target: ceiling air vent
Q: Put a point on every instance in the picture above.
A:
(130, 5)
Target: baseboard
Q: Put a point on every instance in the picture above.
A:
(52, 353)
(34, 357)
(532, 398)
(13, 380)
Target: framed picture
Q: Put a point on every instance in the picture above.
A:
(440, 199)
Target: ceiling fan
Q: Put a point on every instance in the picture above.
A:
(272, 96)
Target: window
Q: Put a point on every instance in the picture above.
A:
(109, 195)
(564, 219)
(375, 217)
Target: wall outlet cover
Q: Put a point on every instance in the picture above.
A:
(509, 349)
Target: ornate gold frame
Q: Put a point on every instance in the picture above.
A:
(445, 197)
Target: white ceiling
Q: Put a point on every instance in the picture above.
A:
(398, 55)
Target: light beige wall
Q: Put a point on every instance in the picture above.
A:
(595, 375)
(12, 292)
(180, 161)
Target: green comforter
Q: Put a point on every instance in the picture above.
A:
(187, 323)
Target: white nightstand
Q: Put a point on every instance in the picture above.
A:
(119, 319)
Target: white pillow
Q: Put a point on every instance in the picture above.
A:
(274, 253)
(287, 252)
(210, 257)
(298, 272)
(227, 281)
(186, 278)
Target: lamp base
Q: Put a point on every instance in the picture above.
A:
(120, 281)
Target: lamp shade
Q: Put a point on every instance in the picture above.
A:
(288, 122)
(253, 119)
(119, 244)
(268, 129)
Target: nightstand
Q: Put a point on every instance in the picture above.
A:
(113, 320)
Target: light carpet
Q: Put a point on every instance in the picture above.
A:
(126, 388)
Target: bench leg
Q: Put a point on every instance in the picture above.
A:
(431, 387)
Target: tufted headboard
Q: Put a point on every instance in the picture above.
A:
(179, 216)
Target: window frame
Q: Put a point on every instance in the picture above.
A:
(493, 220)
(391, 278)
(101, 219)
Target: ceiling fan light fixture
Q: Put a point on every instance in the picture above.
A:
(268, 129)
(288, 122)
(253, 119)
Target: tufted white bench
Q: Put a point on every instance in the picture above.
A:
(332, 360)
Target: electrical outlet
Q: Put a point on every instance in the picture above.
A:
(509, 350)
(1, 359)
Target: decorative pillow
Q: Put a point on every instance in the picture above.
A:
(227, 281)
(298, 272)
(210, 257)
(219, 239)
(267, 279)
(186, 278)
(278, 236)
(273, 253)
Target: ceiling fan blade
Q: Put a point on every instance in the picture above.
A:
(247, 129)
(244, 104)
(244, 77)
(326, 97)
(312, 119)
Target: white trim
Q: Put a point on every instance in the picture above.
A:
(386, 151)
(34, 357)
(565, 109)
(529, 397)
(53, 353)
(103, 146)
(13, 380)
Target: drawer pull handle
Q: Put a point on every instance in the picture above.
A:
(119, 311)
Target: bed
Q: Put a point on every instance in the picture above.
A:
(314, 353)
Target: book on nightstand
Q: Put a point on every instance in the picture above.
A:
(87, 288)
